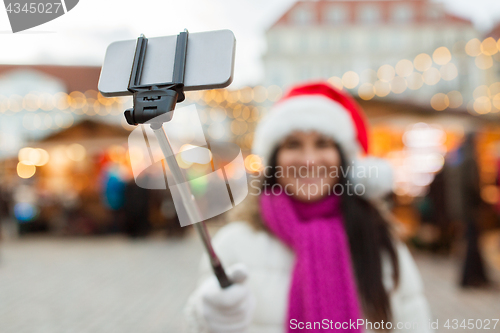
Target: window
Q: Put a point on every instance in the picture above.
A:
(369, 14)
(402, 13)
(276, 76)
(434, 13)
(303, 15)
(345, 42)
(334, 41)
(303, 43)
(274, 44)
(335, 15)
(306, 71)
(374, 41)
(398, 38)
(325, 42)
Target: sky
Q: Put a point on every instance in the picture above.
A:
(81, 36)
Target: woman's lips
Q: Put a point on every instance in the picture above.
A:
(311, 180)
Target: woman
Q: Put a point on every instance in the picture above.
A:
(310, 250)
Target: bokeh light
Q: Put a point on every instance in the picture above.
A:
(216, 131)
(398, 85)
(25, 170)
(253, 163)
(440, 101)
(473, 47)
(481, 91)
(366, 91)
(482, 105)
(455, 98)
(382, 88)
(260, 94)
(483, 61)
(448, 72)
(76, 152)
(495, 88)
(33, 156)
(415, 81)
(274, 93)
(431, 76)
(404, 68)
(496, 101)
(386, 73)
(422, 62)
(489, 46)
(336, 82)
(441, 55)
(350, 79)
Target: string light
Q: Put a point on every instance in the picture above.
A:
(336, 82)
(404, 68)
(441, 55)
(415, 81)
(489, 46)
(455, 98)
(396, 79)
(496, 101)
(386, 73)
(366, 91)
(431, 76)
(398, 85)
(440, 101)
(473, 47)
(422, 62)
(382, 88)
(483, 61)
(448, 72)
(350, 79)
(482, 105)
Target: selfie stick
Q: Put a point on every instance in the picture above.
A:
(153, 100)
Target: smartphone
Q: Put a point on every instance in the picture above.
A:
(209, 62)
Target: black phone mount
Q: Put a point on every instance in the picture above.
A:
(152, 100)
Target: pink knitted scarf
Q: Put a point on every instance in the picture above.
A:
(323, 285)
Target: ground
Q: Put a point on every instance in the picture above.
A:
(112, 284)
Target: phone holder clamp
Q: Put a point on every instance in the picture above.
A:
(153, 100)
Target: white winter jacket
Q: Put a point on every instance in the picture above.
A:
(270, 265)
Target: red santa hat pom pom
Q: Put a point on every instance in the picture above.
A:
(372, 177)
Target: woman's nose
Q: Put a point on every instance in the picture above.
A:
(310, 154)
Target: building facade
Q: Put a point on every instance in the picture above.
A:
(329, 38)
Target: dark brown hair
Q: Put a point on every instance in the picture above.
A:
(369, 234)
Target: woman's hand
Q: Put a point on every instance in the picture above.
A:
(228, 310)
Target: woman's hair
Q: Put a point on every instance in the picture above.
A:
(369, 234)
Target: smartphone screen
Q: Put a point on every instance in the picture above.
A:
(209, 62)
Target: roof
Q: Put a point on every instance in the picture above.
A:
(86, 129)
(495, 32)
(76, 78)
(320, 6)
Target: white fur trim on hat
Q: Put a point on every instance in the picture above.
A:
(305, 113)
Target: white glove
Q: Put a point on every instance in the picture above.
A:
(228, 310)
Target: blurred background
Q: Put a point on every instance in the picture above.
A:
(84, 249)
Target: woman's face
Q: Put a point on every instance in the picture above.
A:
(310, 163)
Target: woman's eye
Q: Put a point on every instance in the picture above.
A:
(291, 144)
(324, 143)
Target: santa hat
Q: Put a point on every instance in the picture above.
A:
(320, 107)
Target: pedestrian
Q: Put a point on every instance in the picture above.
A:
(473, 270)
(310, 250)
(136, 208)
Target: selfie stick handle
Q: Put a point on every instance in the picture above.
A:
(154, 100)
(189, 204)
